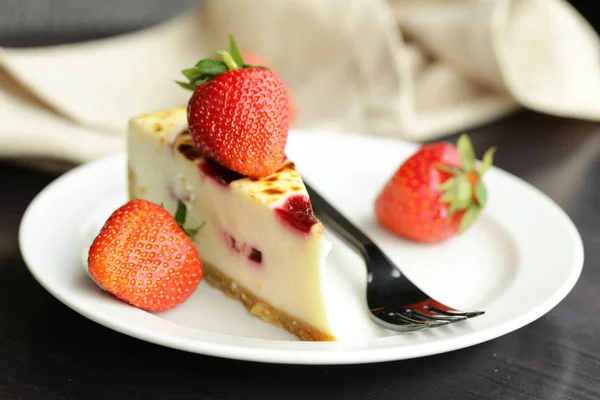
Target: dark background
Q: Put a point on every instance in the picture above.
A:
(590, 10)
(43, 22)
(49, 352)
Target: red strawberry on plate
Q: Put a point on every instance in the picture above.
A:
(238, 113)
(144, 257)
(436, 193)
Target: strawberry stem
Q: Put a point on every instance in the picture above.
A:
(207, 69)
(228, 59)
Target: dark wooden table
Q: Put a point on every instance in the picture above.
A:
(49, 352)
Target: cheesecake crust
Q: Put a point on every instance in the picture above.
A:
(262, 309)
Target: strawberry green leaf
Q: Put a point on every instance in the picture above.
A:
(470, 216)
(180, 217)
(192, 232)
(449, 196)
(181, 214)
(192, 73)
(464, 191)
(458, 193)
(458, 205)
(454, 207)
(448, 184)
(203, 71)
(186, 85)
(210, 66)
(447, 168)
(466, 152)
(481, 193)
(236, 54)
(487, 160)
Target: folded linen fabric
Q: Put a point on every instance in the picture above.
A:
(412, 69)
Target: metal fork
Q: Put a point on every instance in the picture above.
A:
(394, 301)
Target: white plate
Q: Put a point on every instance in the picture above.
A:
(519, 261)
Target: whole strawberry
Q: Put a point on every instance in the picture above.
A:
(436, 193)
(238, 114)
(144, 257)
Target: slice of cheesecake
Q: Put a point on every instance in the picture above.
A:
(258, 239)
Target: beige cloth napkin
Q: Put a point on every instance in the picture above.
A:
(412, 69)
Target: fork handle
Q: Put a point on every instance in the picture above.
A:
(338, 223)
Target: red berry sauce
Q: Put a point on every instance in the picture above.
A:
(255, 255)
(252, 253)
(297, 213)
(220, 174)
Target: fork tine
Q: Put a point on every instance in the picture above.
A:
(439, 317)
(407, 316)
(418, 316)
(466, 314)
(384, 314)
(413, 321)
(435, 324)
(396, 321)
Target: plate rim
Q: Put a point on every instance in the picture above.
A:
(303, 356)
